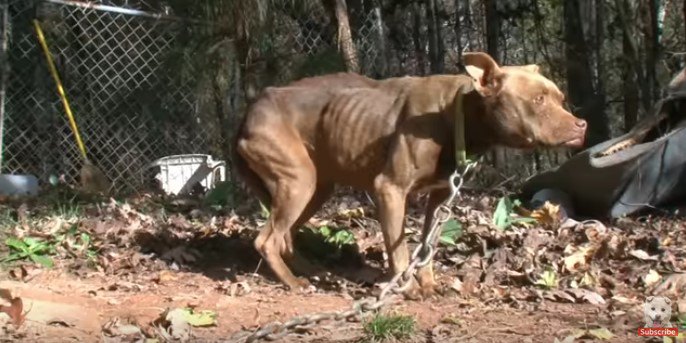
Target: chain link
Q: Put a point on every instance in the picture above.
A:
(421, 256)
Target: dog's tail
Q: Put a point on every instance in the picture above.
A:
(245, 173)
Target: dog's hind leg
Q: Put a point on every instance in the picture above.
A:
(322, 193)
(289, 175)
(425, 274)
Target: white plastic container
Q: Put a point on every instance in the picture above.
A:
(18, 184)
(178, 173)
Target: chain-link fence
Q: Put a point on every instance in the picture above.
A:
(144, 84)
(129, 104)
(138, 92)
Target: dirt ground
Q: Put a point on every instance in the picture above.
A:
(120, 264)
(65, 308)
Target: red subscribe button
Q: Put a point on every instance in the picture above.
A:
(658, 332)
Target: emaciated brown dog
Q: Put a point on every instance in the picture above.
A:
(388, 137)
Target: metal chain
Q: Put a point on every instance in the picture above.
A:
(421, 256)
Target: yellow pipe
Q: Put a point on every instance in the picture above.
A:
(60, 89)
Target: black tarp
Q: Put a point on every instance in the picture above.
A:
(649, 174)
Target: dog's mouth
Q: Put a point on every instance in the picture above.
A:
(574, 142)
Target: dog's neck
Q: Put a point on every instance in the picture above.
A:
(480, 129)
(480, 132)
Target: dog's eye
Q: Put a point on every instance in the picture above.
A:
(663, 310)
(539, 99)
(653, 309)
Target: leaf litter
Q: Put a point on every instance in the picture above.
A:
(14, 310)
(494, 252)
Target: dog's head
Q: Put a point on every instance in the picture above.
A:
(524, 107)
(658, 309)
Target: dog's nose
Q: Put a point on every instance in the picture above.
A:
(581, 124)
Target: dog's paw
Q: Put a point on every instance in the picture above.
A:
(414, 292)
(299, 284)
(430, 291)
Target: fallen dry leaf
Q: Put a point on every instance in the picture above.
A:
(237, 287)
(547, 215)
(351, 213)
(554, 295)
(652, 278)
(15, 310)
(642, 255)
(172, 325)
(622, 300)
(25, 273)
(22, 215)
(471, 272)
(117, 330)
(164, 277)
(234, 288)
(601, 333)
(672, 284)
(452, 319)
(578, 260)
(568, 339)
(457, 285)
(176, 324)
(589, 296)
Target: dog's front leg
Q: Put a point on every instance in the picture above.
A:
(425, 274)
(391, 199)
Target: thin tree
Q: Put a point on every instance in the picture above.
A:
(652, 50)
(417, 37)
(630, 66)
(583, 94)
(345, 43)
(436, 49)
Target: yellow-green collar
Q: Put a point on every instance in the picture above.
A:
(460, 145)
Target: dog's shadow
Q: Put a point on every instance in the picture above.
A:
(233, 257)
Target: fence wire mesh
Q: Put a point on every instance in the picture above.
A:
(130, 107)
(137, 91)
(142, 87)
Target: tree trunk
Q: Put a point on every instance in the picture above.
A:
(631, 53)
(499, 154)
(600, 67)
(458, 30)
(345, 42)
(580, 86)
(630, 85)
(631, 73)
(650, 88)
(436, 49)
(492, 29)
(382, 59)
(417, 38)
(469, 24)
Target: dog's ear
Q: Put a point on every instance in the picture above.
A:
(668, 301)
(649, 299)
(485, 72)
(532, 68)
